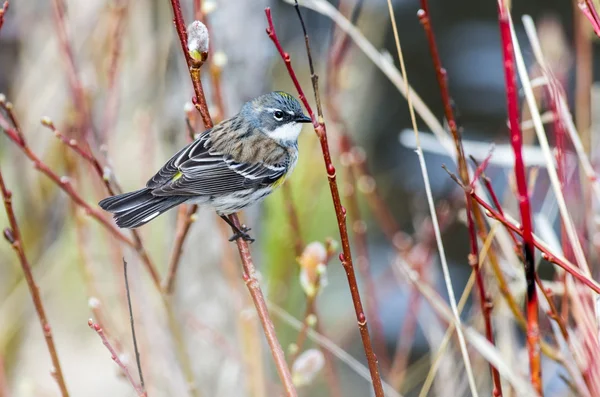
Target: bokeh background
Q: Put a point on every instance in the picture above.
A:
(137, 116)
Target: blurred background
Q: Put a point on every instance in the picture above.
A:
(111, 75)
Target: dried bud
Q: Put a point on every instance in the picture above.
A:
(312, 268)
(9, 236)
(197, 40)
(307, 366)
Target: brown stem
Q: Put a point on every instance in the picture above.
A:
(249, 275)
(12, 234)
(441, 75)
(346, 256)
(244, 251)
(84, 121)
(115, 356)
(65, 184)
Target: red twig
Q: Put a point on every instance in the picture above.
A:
(533, 337)
(346, 256)
(12, 234)
(589, 10)
(183, 228)
(441, 75)
(82, 152)
(546, 253)
(2, 12)
(64, 183)
(115, 356)
(249, 273)
(199, 100)
(77, 91)
(354, 167)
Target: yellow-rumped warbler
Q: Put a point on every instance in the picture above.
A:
(235, 164)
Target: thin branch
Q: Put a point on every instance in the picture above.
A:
(533, 333)
(434, 218)
(346, 256)
(199, 100)
(484, 300)
(115, 356)
(135, 345)
(77, 92)
(12, 234)
(65, 184)
(249, 273)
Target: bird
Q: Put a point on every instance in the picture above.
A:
(234, 164)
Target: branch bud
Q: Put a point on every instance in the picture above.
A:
(197, 41)
(313, 274)
(307, 366)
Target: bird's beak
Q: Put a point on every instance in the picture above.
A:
(303, 119)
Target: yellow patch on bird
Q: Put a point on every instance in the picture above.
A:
(280, 181)
(178, 175)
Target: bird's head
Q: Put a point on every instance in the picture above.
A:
(278, 115)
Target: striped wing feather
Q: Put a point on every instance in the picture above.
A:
(207, 172)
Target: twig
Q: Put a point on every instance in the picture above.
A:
(64, 183)
(244, 251)
(249, 276)
(353, 163)
(135, 345)
(546, 253)
(183, 228)
(199, 101)
(12, 234)
(328, 344)
(121, 8)
(346, 256)
(115, 356)
(79, 100)
(2, 12)
(434, 219)
(533, 342)
(589, 10)
(484, 300)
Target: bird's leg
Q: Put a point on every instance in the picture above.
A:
(239, 233)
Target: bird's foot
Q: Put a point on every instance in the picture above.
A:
(243, 234)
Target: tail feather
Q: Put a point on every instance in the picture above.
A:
(137, 208)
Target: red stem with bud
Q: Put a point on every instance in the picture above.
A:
(340, 211)
(516, 137)
(473, 258)
(249, 273)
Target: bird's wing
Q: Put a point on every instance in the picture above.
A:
(198, 169)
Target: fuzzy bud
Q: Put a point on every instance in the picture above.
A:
(307, 366)
(208, 6)
(197, 40)
(219, 59)
(47, 122)
(312, 268)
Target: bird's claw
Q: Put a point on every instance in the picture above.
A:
(242, 233)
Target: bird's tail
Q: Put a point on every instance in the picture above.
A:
(136, 208)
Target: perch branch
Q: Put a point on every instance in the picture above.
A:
(346, 255)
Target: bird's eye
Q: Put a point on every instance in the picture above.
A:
(278, 115)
